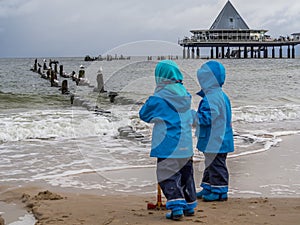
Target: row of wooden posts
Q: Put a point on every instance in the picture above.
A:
(47, 72)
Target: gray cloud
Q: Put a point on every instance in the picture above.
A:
(80, 27)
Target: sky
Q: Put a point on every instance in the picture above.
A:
(63, 28)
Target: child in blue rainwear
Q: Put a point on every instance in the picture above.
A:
(170, 111)
(215, 135)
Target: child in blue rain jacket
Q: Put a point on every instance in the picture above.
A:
(169, 109)
(215, 135)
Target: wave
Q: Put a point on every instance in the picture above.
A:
(11, 101)
(52, 124)
(258, 114)
(254, 142)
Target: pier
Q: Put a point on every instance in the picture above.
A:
(230, 37)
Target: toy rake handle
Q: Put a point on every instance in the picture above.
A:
(159, 202)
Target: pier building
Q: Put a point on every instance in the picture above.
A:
(230, 37)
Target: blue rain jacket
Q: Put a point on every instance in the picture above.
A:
(214, 132)
(170, 111)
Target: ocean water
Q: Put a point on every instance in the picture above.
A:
(93, 143)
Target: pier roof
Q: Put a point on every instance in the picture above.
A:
(228, 19)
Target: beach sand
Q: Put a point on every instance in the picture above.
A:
(256, 197)
(73, 209)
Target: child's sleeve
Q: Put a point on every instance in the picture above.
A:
(147, 111)
(206, 113)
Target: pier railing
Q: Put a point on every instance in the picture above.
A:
(195, 42)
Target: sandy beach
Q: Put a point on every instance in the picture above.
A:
(73, 209)
(262, 173)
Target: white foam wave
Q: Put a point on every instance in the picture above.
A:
(267, 139)
(258, 114)
(255, 138)
(249, 192)
(62, 174)
(51, 124)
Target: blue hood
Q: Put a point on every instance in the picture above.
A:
(211, 75)
(177, 103)
(168, 76)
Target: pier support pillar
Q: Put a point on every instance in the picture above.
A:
(228, 53)
(265, 52)
(198, 53)
(188, 52)
(193, 53)
(289, 52)
(251, 54)
(217, 52)
(293, 51)
(258, 52)
(211, 52)
(273, 52)
(183, 53)
(223, 54)
(245, 52)
(280, 52)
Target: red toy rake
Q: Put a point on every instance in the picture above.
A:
(159, 205)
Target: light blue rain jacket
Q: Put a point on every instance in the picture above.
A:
(214, 132)
(170, 111)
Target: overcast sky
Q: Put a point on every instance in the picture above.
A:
(36, 28)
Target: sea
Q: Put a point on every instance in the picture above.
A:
(83, 141)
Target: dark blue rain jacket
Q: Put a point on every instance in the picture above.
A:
(215, 134)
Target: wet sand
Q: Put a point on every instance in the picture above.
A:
(73, 209)
(274, 173)
(265, 189)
